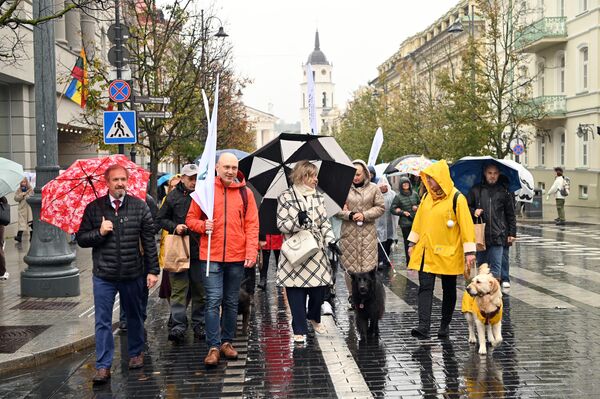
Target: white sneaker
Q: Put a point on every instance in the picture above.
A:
(4, 276)
(318, 327)
(505, 284)
(326, 308)
(299, 339)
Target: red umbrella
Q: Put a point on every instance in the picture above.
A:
(64, 198)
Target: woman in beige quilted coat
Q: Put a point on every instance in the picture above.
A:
(358, 241)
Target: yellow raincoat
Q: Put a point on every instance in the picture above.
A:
(439, 248)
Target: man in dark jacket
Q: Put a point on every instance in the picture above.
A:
(171, 217)
(405, 206)
(114, 226)
(491, 203)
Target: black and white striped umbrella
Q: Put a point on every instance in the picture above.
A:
(267, 172)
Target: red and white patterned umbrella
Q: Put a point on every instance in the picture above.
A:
(64, 198)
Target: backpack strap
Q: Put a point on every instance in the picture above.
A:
(454, 201)
(244, 195)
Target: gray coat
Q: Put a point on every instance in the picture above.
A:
(316, 271)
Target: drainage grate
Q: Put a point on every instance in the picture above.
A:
(14, 337)
(44, 305)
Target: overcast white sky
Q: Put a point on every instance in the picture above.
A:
(272, 38)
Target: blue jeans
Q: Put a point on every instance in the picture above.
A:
(222, 287)
(130, 294)
(493, 257)
(505, 265)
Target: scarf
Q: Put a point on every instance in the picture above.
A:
(359, 185)
(304, 190)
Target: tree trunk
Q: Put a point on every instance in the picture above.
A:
(154, 159)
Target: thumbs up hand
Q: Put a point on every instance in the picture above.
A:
(106, 227)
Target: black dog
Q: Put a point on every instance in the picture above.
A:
(368, 297)
(244, 304)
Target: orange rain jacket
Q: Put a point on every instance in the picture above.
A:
(235, 235)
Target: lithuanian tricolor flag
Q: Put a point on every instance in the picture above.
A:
(77, 90)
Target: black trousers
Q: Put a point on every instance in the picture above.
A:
(297, 300)
(425, 299)
(405, 233)
(266, 255)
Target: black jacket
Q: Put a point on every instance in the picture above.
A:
(498, 211)
(117, 255)
(174, 211)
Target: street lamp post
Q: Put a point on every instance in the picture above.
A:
(49, 272)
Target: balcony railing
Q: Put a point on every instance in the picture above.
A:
(549, 106)
(544, 32)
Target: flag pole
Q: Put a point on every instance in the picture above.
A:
(209, 233)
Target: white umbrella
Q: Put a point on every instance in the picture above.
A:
(11, 174)
(525, 194)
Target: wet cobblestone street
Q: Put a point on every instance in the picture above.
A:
(550, 328)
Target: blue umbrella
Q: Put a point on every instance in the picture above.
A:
(239, 154)
(468, 171)
(164, 179)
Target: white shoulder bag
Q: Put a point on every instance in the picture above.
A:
(301, 246)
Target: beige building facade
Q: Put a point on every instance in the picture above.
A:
(563, 39)
(262, 124)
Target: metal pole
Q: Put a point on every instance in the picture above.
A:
(49, 272)
(119, 52)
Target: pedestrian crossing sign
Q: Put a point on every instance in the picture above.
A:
(120, 127)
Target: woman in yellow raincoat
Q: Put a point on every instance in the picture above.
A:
(442, 236)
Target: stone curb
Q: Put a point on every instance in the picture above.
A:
(39, 358)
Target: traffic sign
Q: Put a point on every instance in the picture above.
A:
(112, 56)
(151, 100)
(119, 91)
(155, 114)
(518, 149)
(120, 127)
(112, 32)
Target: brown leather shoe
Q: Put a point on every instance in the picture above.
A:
(137, 362)
(228, 351)
(102, 376)
(213, 357)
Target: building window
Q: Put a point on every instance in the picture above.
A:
(561, 150)
(583, 5)
(303, 100)
(561, 62)
(542, 186)
(324, 100)
(584, 149)
(583, 192)
(584, 68)
(561, 8)
(541, 79)
(541, 150)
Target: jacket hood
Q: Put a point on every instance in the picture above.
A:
(403, 180)
(240, 182)
(440, 172)
(365, 168)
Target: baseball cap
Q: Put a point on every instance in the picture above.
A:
(189, 169)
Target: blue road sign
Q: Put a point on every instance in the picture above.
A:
(119, 91)
(518, 149)
(120, 127)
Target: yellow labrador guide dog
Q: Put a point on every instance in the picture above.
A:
(482, 307)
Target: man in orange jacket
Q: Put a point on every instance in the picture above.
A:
(233, 247)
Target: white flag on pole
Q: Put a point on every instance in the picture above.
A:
(312, 107)
(375, 147)
(204, 194)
